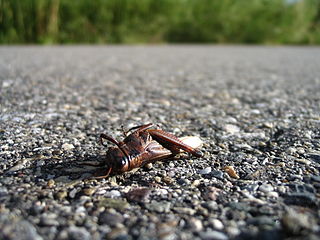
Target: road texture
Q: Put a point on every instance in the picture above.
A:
(255, 108)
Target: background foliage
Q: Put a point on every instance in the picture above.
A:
(157, 21)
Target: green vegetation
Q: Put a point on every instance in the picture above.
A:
(154, 21)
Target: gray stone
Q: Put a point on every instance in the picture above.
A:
(213, 235)
(205, 170)
(217, 174)
(49, 220)
(232, 129)
(111, 219)
(160, 207)
(216, 224)
(78, 233)
(195, 224)
(73, 193)
(266, 188)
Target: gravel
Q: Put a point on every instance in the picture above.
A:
(257, 109)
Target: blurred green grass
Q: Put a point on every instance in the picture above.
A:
(160, 21)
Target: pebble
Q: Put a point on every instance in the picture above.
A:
(291, 150)
(111, 219)
(78, 233)
(184, 182)
(80, 209)
(216, 224)
(233, 231)
(61, 194)
(149, 166)
(211, 205)
(168, 180)
(19, 165)
(266, 188)
(117, 204)
(273, 194)
(89, 191)
(51, 183)
(211, 193)
(206, 170)
(159, 207)
(195, 224)
(213, 235)
(261, 220)
(73, 193)
(243, 146)
(232, 129)
(192, 141)
(293, 177)
(217, 174)
(249, 197)
(4, 147)
(67, 146)
(118, 234)
(303, 161)
(49, 220)
(162, 192)
(41, 163)
(231, 172)
(252, 187)
(196, 183)
(138, 194)
(282, 189)
(166, 230)
(157, 179)
(113, 194)
(184, 210)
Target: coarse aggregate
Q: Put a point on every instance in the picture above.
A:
(257, 110)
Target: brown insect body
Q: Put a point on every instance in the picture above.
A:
(142, 146)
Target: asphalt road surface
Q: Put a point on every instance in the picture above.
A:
(256, 109)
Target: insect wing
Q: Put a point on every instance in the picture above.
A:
(154, 152)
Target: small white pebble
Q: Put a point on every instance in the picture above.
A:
(192, 141)
(67, 146)
(113, 194)
(232, 129)
(303, 161)
(157, 179)
(216, 223)
(233, 231)
(196, 183)
(273, 194)
(195, 224)
(266, 188)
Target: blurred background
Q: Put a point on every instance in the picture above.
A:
(159, 21)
